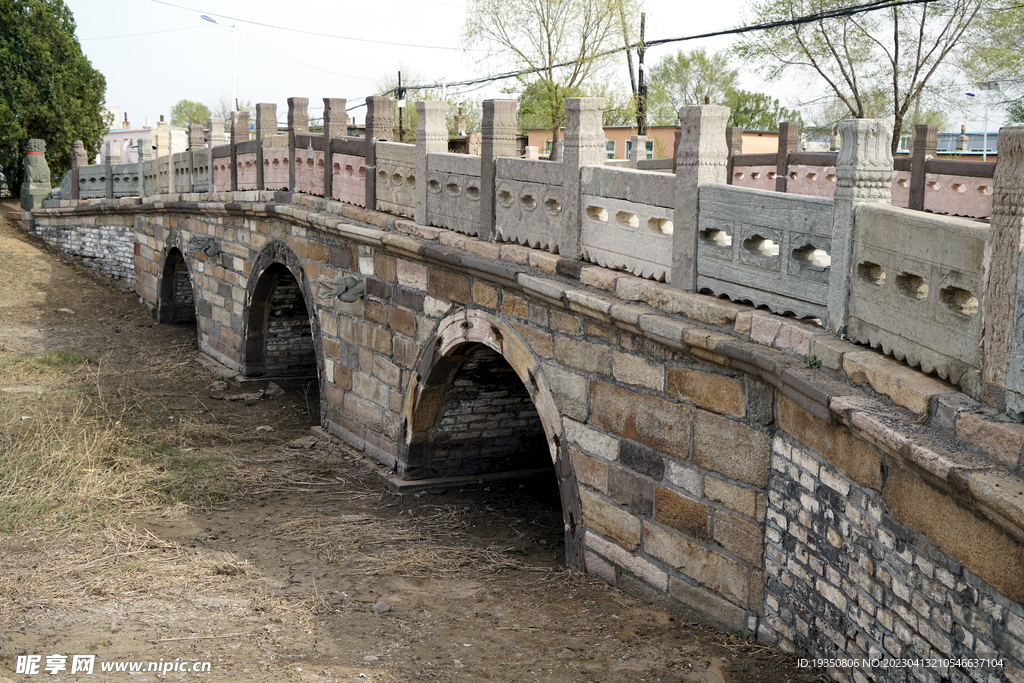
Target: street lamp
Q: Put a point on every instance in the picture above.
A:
(234, 102)
(988, 86)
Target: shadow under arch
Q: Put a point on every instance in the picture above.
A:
(477, 388)
(281, 332)
(175, 303)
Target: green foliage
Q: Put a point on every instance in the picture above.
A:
(890, 55)
(48, 89)
(756, 110)
(685, 79)
(185, 112)
(1015, 112)
(541, 104)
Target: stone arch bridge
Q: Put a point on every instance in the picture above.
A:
(746, 469)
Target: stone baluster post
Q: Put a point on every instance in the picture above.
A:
(380, 124)
(1003, 306)
(80, 158)
(789, 142)
(638, 150)
(266, 129)
(498, 140)
(335, 126)
(701, 157)
(926, 141)
(583, 146)
(146, 154)
(863, 175)
(218, 136)
(431, 138)
(111, 157)
(734, 144)
(196, 140)
(162, 154)
(298, 122)
(239, 133)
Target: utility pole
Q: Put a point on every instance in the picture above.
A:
(400, 91)
(641, 102)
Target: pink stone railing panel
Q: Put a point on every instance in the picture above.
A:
(309, 173)
(222, 174)
(958, 195)
(246, 165)
(757, 177)
(814, 181)
(349, 179)
(275, 169)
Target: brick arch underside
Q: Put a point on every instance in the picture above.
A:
(475, 417)
(175, 293)
(479, 403)
(281, 332)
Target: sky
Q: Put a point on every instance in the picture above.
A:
(156, 52)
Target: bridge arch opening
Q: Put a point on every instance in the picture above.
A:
(176, 304)
(279, 336)
(479, 410)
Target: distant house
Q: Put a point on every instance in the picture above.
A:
(661, 141)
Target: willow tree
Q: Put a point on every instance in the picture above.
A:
(892, 52)
(48, 89)
(561, 43)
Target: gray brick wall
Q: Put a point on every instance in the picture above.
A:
(846, 580)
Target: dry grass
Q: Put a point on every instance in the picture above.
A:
(83, 445)
(425, 547)
(54, 571)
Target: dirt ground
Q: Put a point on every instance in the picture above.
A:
(218, 534)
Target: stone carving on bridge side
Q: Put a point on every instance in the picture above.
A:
(345, 288)
(203, 243)
(36, 184)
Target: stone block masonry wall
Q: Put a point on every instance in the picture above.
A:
(103, 243)
(848, 580)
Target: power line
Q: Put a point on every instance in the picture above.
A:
(311, 33)
(806, 19)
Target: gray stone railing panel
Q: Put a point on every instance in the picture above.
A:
(92, 182)
(396, 178)
(461, 164)
(916, 289)
(628, 220)
(453, 192)
(181, 181)
(770, 248)
(201, 170)
(125, 180)
(149, 177)
(528, 206)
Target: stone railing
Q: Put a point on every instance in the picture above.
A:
(453, 192)
(768, 248)
(916, 290)
(528, 204)
(627, 220)
(396, 178)
(809, 240)
(920, 181)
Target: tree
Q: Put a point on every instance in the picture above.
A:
(48, 89)
(185, 112)
(541, 35)
(686, 78)
(756, 110)
(895, 52)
